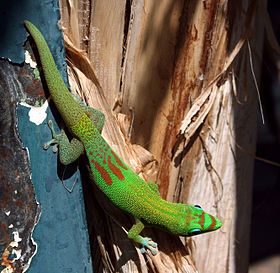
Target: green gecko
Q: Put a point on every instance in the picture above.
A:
(124, 188)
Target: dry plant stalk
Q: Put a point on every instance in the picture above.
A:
(180, 73)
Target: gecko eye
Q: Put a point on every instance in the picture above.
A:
(198, 206)
(194, 231)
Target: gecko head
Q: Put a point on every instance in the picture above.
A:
(198, 221)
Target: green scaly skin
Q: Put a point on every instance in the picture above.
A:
(116, 179)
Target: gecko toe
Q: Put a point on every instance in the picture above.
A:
(47, 145)
(143, 250)
(148, 243)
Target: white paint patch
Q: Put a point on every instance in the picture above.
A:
(8, 212)
(36, 114)
(29, 60)
(17, 253)
(13, 244)
(16, 237)
(27, 265)
(4, 58)
(11, 226)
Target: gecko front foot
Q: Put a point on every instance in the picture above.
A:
(145, 242)
(69, 151)
(55, 138)
(148, 243)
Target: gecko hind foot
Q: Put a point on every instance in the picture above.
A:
(148, 243)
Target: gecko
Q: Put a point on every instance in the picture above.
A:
(123, 187)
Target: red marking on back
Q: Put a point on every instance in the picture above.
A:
(102, 157)
(116, 171)
(106, 177)
(118, 160)
(213, 224)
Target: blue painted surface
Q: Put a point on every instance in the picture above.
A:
(43, 13)
(61, 233)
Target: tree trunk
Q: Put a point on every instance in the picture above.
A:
(182, 74)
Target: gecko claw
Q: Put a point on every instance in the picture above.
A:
(148, 243)
(47, 145)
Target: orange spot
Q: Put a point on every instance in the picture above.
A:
(106, 177)
(116, 171)
(118, 160)
(90, 153)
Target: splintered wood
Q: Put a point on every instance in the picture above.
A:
(171, 76)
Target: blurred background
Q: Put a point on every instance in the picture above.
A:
(265, 227)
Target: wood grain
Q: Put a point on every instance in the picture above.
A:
(155, 61)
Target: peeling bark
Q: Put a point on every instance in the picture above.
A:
(180, 71)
